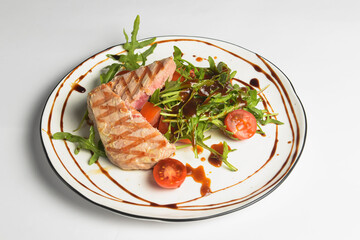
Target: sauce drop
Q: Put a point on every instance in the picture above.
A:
(255, 83)
(199, 59)
(189, 109)
(77, 87)
(213, 159)
(198, 174)
(199, 149)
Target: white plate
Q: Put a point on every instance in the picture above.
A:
(263, 161)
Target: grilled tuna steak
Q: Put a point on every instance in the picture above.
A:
(136, 86)
(130, 141)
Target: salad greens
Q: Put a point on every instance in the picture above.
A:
(83, 143)
(196, 102)
(200, 99)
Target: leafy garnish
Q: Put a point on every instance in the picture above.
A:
(200, 100)
(130, 60)
(110, 73)
(83, 143)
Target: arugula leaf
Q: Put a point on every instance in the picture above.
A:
(155, 98)
(85, 116)
(225, 156)
(212, 66)
(210, 92)
(83, 143)
(130, 60)
(110, 73)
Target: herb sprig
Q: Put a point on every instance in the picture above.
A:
(83, 143)
(128, 61)
(200, 100)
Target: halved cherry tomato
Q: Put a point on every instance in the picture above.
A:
(151, 113)
(169, 173)
(241, 123)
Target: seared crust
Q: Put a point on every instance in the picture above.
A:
(136, 86)
(129, 139)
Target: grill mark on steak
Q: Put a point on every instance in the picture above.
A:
(110, 110)
(157, 68)
(107, 97)
(138, 153)
(125, 86)
(132, 127)
(148, 71)
(141, 79)
(161, 66)
(128, 148)
(136, 77)
(129, 140)
(139, 87)
(125, 134)
(161, 143)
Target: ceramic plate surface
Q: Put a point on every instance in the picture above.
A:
(263, 162)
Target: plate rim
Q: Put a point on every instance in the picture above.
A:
(135, 216)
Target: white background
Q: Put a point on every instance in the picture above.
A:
(315, 43)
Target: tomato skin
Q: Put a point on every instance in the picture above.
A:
(241, 123)
(176, 76)
(169, 173)
(185, 141)
(151, 113)
(163, 126)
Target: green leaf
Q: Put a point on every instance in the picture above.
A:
(135, 29)
(146, 42)
(155, 98)
(129, 61)
(177, 54)
(82, 143)
(110, 73)
(85, 116)
(225, 156)
(212, 65)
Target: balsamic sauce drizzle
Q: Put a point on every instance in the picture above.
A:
(253, 83)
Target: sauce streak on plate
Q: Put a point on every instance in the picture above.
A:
(198, 173)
